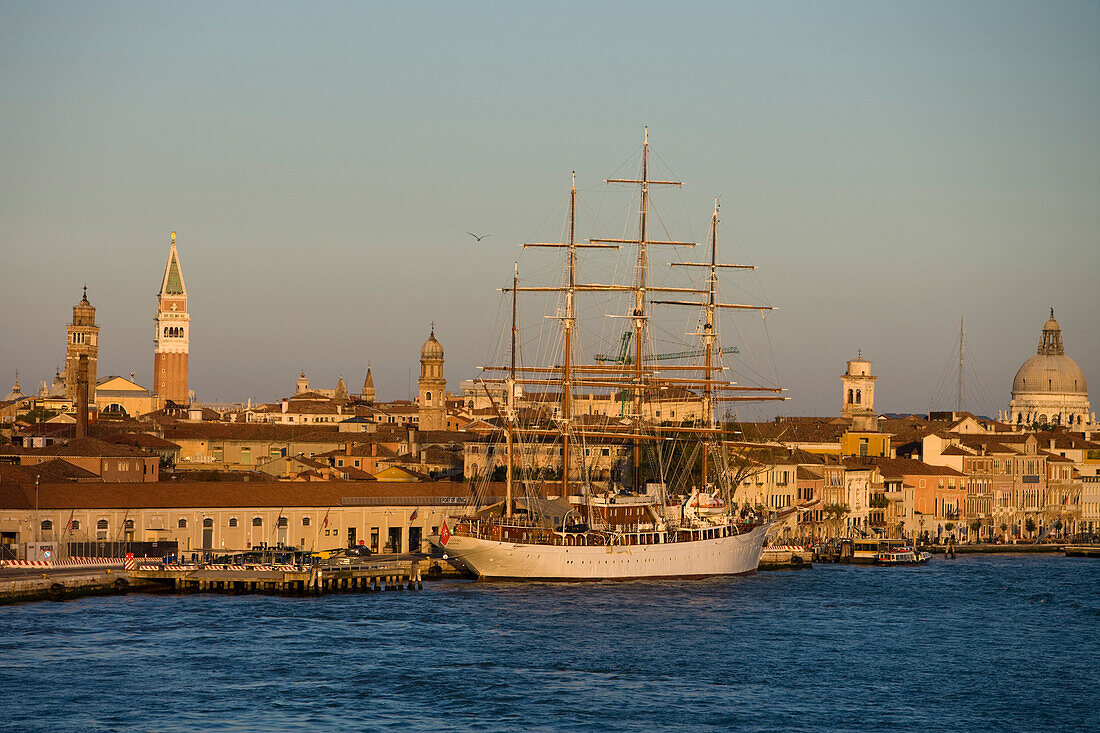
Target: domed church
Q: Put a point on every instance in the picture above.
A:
(1050, 388)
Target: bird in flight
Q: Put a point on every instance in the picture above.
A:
(483, 236)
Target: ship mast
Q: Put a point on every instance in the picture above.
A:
(962, 348)
(639, 315)
(567, 325)
(511, 406)
(708, 341)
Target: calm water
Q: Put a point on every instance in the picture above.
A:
(979, 643)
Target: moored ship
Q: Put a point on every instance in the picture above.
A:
(666, 509)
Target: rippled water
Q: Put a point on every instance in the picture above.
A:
(979, 643)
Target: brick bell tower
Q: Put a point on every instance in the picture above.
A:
(83, 340)
(172, 335)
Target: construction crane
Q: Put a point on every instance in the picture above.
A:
(625, 359)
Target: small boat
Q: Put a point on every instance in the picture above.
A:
(886, 551)
(903, 556)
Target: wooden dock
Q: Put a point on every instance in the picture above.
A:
(1082, 550)
(285, 580)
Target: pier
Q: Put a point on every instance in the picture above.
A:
(285, 580)
(786, 557)
(65, 586)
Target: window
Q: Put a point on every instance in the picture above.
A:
(257, 521)
(208, 523)
(282, 522)
(75, 524)
(182, 523)
(129, 525)
(859, 396)
(232, 521)
(305, 521)
(101, 524)
(47, 525)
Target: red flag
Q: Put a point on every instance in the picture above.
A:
(444, 533)
(413, 515)
(69, 525)
(325, 523)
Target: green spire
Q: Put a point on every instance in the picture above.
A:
(174, 283)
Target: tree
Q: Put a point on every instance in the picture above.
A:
(1029, 525)
(950, 526)
(976, 527)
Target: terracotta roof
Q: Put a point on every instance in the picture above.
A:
(58, 469)
(255, 431)
(351, 473)
(897, 467)
(173, 495)
(442, 436)
(142, 440)
(808, 473)
(797, 430)
(87, 448)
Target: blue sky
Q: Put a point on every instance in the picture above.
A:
(888, 166)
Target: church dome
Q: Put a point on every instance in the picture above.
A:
(431, 349)
(1050, 371)
(1049, 374)
(16, 393)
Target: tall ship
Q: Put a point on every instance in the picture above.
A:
(598, 483)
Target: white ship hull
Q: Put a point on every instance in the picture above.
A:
(496, 560)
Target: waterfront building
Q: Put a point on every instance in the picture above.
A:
(228, 516)
(1050, 388)
(172, 333)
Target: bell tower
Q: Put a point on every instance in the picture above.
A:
(432, 386)
(859, 394)
(172, 335)
(83, 340)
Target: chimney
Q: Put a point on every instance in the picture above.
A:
(82, 397)
(286, 404)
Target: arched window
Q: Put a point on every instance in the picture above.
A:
(305, 521)
(47, 525)
(282, 522)
(232, 521)
(166, 331)
(257, 521)
(74, 525)
(427, 397)
(859, 396)
(101, 524)
(182, 523)
(208, 523)
(849, 397)
(129, 525)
